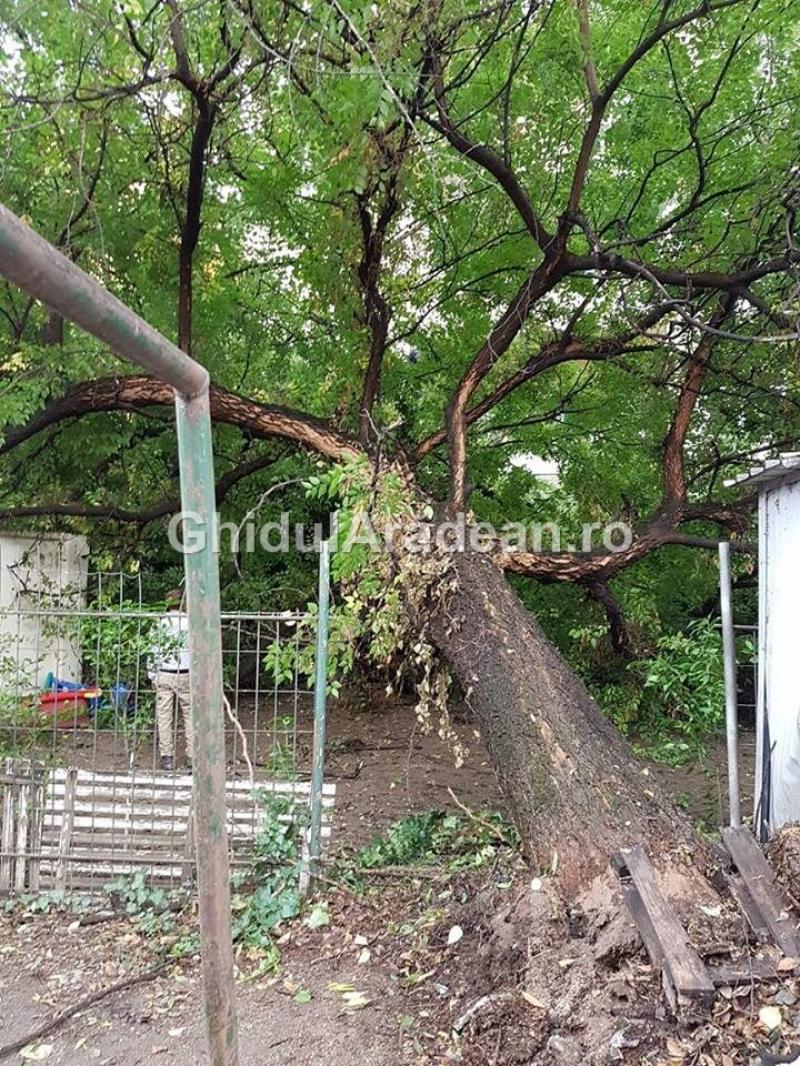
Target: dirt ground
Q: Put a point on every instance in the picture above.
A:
(701, 787)
(422, 951)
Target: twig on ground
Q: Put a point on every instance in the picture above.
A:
(429, 872)
(493, 829)
(480, 1004)
(81, 1005)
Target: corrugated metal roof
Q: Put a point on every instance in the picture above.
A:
(786, 467)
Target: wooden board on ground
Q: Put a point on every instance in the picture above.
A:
(686, 980)
(758, 893)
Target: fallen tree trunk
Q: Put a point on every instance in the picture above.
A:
(572, 783)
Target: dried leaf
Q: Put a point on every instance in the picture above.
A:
(454, 935)
(36, 1052)
(770, 1018)
(534, 1002)
(676, 1053)
(355, 1000)
(319, 917)
(712, 912)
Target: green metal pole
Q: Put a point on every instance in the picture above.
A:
(36, 266)
(208, 717)
(320, 695)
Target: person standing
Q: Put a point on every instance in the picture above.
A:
(169, 672)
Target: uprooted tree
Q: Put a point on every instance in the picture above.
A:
(448, 238)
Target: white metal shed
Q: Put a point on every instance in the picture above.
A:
(777, 777)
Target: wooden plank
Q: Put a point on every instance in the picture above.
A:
(7, 836)
(124, 827)
(746, 972)
(171, 783)
(763, 889)
(95, 860)
(65, 839)
(166, 815)
(95, 826)
(101, 800)
(650, 939)
(23, 804)
(738, 890)
(686, 979)
(112, 833)
(37, 811)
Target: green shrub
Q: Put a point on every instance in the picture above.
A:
(683, 692)
(273, 896)
(671, 701)
(433, 836)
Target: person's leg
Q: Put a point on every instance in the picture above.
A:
(165, 694)
(184, 699)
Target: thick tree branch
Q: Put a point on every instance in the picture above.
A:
(484, 156)
(663, 527)
(589, 68)
(183, 67)
(618, 630)
(201, 91)
(377, 311)
(674, 474)
(139, 392)
(190, 231)
(567, 349)
(585, 568)
(601, 100)
(542, 280)
(736, 282)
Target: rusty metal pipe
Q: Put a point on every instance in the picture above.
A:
(41, 270)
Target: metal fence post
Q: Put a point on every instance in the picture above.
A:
(320, 699)
(208, 716)
(31, 262)
(731, 707)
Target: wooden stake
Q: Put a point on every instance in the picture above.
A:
(67, 823)
(23, 799)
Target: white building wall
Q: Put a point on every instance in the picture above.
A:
(779, 648)
(39, 575)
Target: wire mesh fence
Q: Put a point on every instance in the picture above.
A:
(746, 672)
(95, 774)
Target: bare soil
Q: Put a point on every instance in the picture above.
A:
(701, 787)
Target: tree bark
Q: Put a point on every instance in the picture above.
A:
(572, 784)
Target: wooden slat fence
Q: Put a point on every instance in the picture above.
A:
(69, 828)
